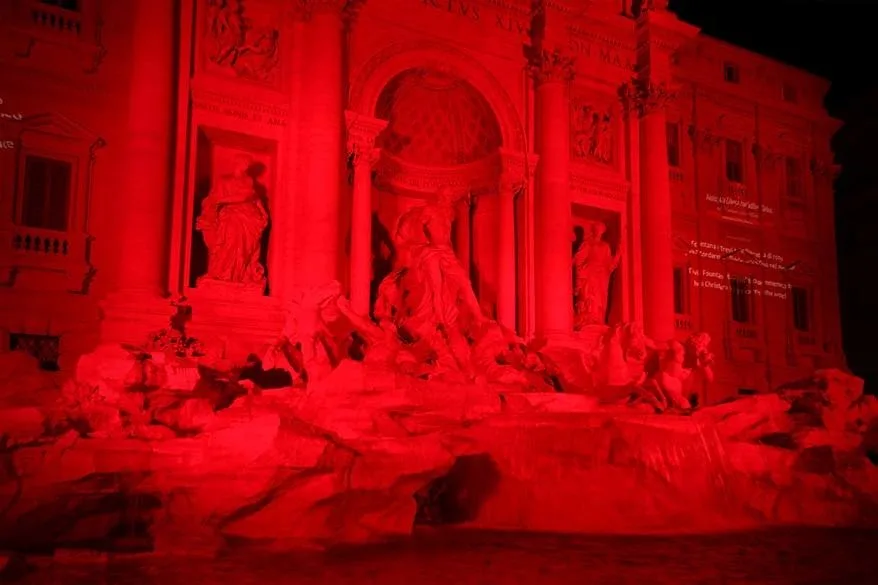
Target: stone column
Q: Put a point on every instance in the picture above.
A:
(362, 132)
(322, 135)
(144, 201)
(553, 73)
(656, 225)
(659, 34)
(135, 305)
(511, 183)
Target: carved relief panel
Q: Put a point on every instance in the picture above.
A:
(241, 39)
(593, 132)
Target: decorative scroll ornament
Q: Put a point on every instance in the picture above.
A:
(645, 97)
(551, 66)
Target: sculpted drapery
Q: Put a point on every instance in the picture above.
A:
(232, 220)
(593, 263)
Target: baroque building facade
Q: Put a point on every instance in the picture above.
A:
(616, 165)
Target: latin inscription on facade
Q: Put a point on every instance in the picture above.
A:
(240, 110)
(471, 11)
(604, 55)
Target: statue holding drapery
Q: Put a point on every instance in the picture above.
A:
(232, 220)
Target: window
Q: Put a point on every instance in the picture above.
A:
(788, 92)
(730, 73)
(680, 295)
(793, 177)
(741, 299)
(801, 309)
(734, 161)
(72, 5)
(673, 131)
(46, 195)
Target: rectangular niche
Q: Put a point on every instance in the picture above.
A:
(215, 152)
(583, 217)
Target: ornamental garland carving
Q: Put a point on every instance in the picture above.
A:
(766, 156)
(235, 44)
(551, 66)
(646, 97)
(592, 133)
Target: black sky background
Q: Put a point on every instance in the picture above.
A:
(836, 39)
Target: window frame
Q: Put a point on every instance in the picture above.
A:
(735, 70)
(679, 147)
(21, 187)
(808, 310)
(748, 297)
(66, 253)
(741, 164)
(684, 292)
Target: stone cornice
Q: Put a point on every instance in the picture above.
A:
(662, 30)
(596, 35)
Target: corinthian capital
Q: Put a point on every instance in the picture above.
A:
(551, 66)
(361, 134)
(645, 97)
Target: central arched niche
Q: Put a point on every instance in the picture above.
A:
(436, 120)
(440, 130)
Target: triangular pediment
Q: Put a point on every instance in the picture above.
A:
(59, 126)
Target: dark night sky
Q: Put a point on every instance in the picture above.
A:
(835, 39)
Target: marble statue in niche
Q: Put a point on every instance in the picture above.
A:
(593, 264)
(237, 43)
(429, 296)
(232, 221)
(593, 134)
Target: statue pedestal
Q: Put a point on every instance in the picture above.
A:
(235, 319)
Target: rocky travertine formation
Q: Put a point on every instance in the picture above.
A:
(361, 454)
